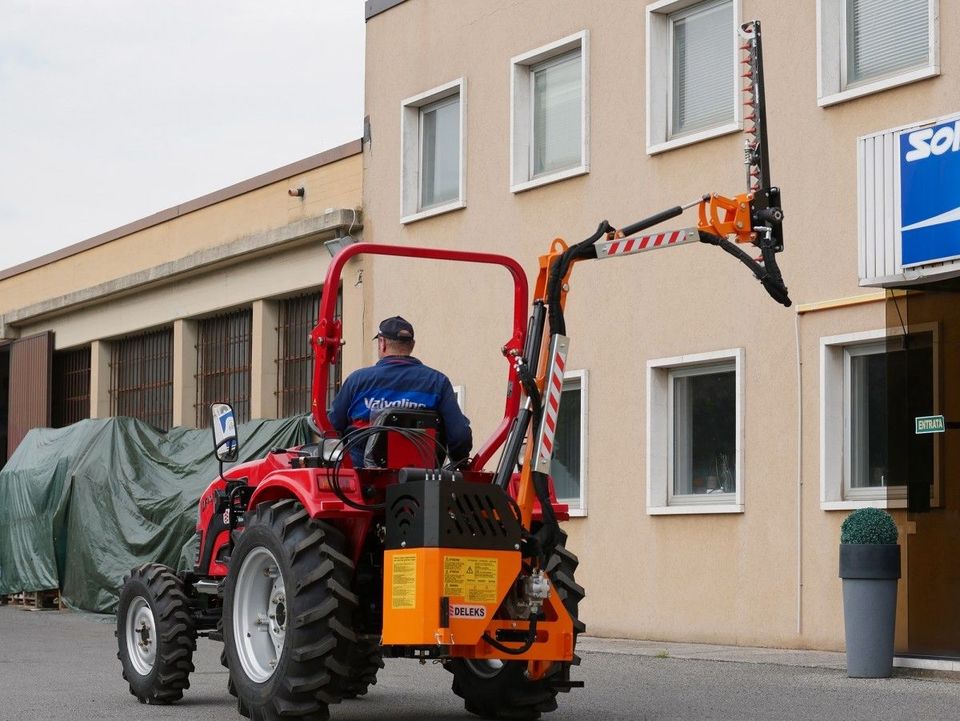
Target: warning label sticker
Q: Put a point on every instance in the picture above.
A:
(404, 589)
(472, 579)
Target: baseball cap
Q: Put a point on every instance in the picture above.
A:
(395, 328)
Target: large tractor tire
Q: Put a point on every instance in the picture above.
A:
(286, 614)
(501, 689)
(364, 660)
(155, 633)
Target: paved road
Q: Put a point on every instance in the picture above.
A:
(61, 665)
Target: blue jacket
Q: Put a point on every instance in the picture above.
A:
(405, 382)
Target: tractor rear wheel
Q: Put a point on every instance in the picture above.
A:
(155, 633)
(364, 660)
(286, 614)
(502, 689)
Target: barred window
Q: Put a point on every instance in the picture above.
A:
(141, 377)
(297, 318)
(223, 363)
(71, 386)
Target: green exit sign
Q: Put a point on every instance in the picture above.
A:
(930, 424)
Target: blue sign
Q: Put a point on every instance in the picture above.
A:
(930, 194)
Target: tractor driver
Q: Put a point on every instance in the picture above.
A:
(399, 380)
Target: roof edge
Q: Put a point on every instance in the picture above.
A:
(354, 147)
(373, 8)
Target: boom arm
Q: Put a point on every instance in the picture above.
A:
(750, 218)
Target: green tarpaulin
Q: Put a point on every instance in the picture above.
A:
(82, 505)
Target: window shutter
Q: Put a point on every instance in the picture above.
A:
(703, 68)
(886, 36)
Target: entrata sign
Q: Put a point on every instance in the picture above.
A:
(930, 193)
(930, 424)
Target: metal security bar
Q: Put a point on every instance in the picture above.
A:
(223, 363)
(297, 317)
(71, 386)
(141, 377)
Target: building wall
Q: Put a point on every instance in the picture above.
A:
(766, 576)
(249, 245)
(336, 185)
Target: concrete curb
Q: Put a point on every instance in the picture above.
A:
(709, 652)
(942, 669)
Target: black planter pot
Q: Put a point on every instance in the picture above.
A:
(870, 573)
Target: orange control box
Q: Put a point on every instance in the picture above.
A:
(443, 596)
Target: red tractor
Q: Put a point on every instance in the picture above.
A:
(311, 571)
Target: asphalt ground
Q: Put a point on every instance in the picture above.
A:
(63, 665)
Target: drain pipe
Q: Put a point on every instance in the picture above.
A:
(799, 479)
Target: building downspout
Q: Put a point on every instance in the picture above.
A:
(799, 481)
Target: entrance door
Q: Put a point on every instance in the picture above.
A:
(932, 568)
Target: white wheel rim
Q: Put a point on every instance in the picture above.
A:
(259, 614)
(141, 636)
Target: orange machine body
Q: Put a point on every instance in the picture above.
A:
(454, 597)
(444, 596)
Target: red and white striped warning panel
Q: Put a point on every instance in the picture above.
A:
(552, 391)
(640, 243)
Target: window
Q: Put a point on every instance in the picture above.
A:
(432, 166)
(297, 318)
(141, 377)
(866, 46)
(71, 386)
(694, 434)
(873, 385)
(692, 61)
(223, 363)
(549, 113)
(569, 465)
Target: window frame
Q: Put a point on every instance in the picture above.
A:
(203, 375)
(835, 427)
(151, 345)
(577, 507)
(661, 373)
(292, 399)
(659, 54)
(522, 68)
(411, 151)
(72, 372)
(832, 87)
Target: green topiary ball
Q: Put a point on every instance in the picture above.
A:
(868, 525)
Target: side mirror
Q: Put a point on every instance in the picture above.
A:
(223, 422)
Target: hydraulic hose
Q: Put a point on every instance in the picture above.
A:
(768, 274)
(581, 251)
(527, 645)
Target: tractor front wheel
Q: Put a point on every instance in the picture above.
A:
(497, 689)
(286, 614)
(155, 633)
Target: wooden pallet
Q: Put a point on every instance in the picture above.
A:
(35, 600)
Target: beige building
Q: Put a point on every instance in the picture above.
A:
(209, 300)
(713, 441)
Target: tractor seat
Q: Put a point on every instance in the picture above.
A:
(393, 450)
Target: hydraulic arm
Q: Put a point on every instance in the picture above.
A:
(752, 218)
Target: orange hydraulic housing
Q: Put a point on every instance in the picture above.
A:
(457, 596)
